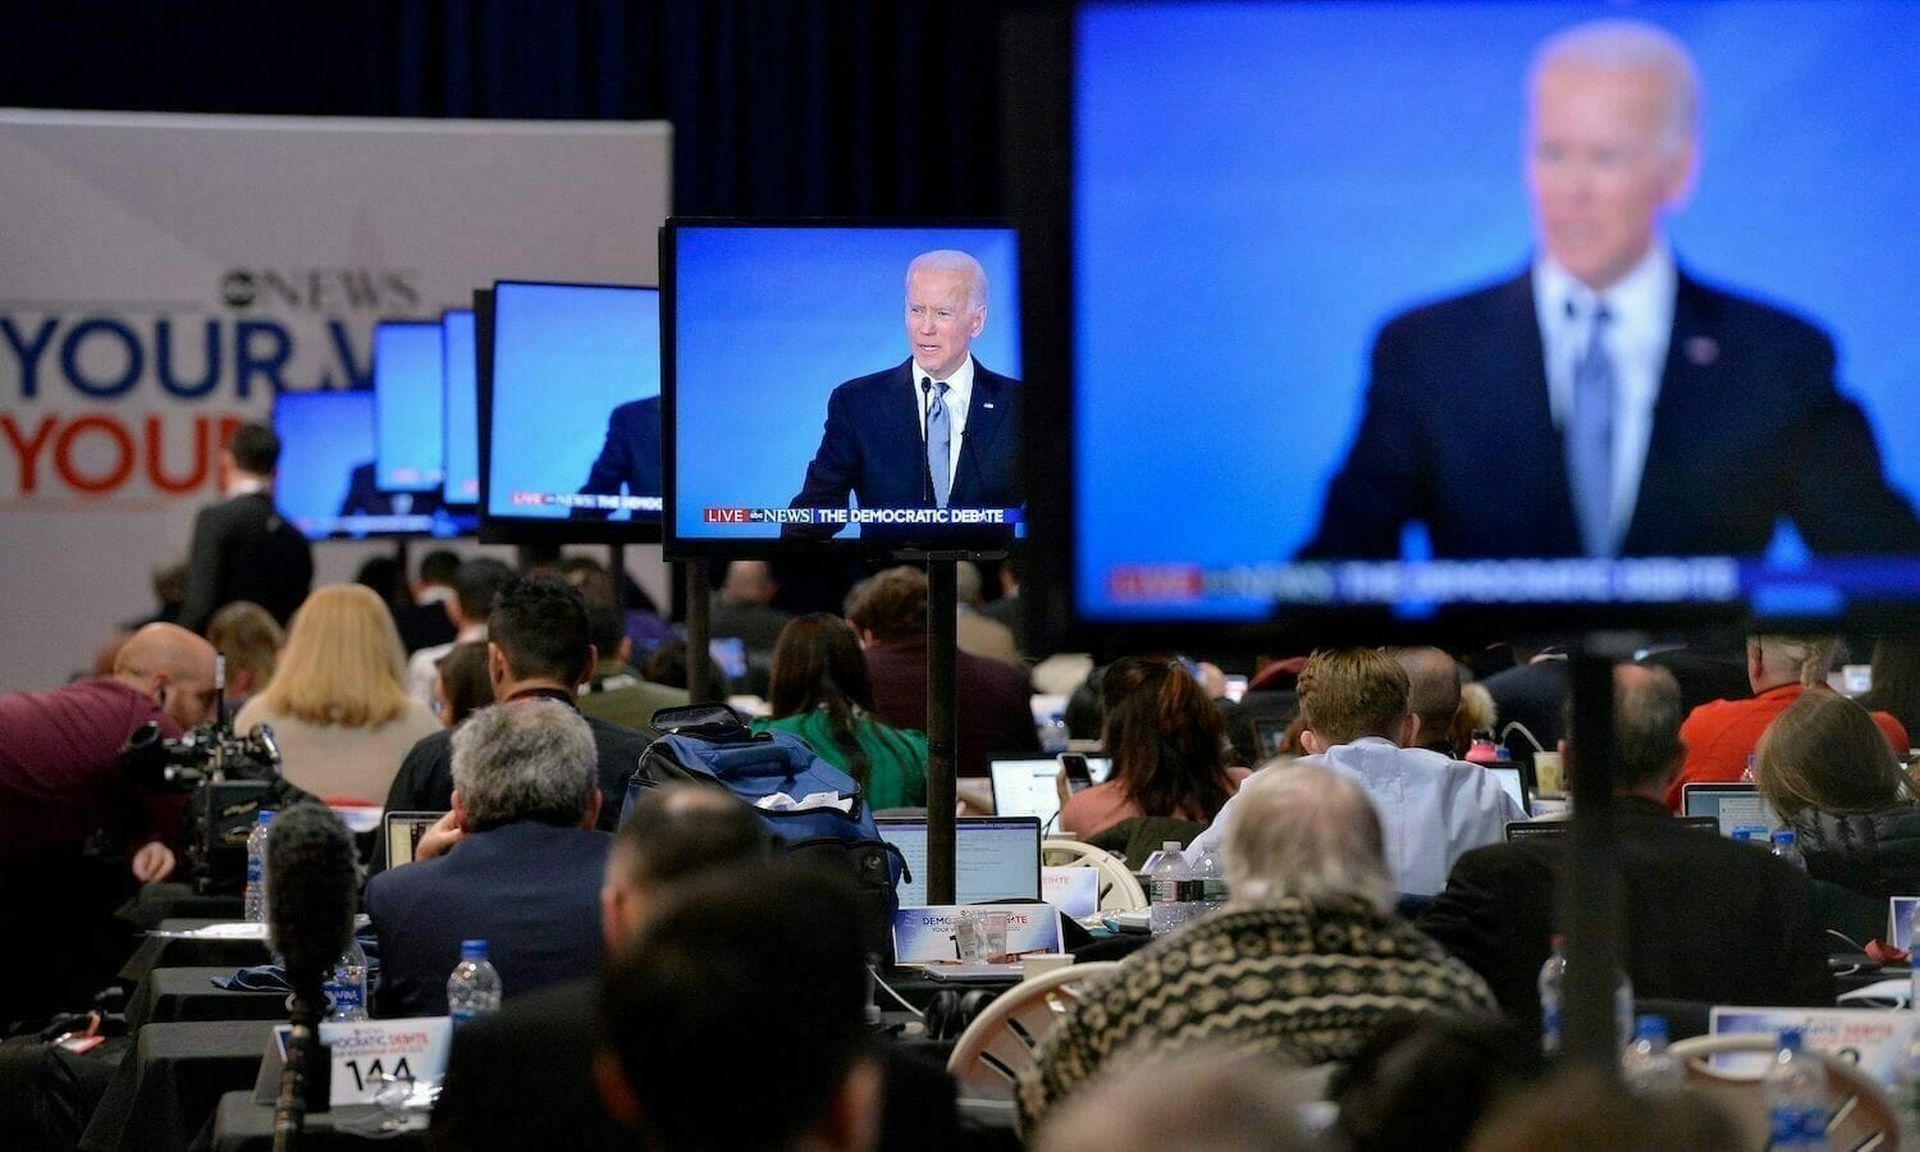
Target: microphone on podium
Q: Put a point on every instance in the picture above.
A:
(311, 879)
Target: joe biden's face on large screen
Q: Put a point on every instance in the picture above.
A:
(1609, 149)
(944, 314)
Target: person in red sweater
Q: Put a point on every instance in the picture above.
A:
(1721, 736)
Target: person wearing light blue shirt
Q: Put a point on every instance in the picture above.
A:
(1432, 808)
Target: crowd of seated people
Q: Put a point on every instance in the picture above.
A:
(1379, 928)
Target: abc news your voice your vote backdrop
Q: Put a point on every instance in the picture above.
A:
(164, 275)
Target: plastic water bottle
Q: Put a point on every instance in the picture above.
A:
(346, 985)
(1913, 982)
(1796, 1097)
(1906, 1091)
(1165, 914)
(1646, 1064)
(1553, 986)
(1207, 883)
(1054, 734)
(1786, 846)
(256, 895)
(474, 988)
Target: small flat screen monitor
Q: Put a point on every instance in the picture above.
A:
(820, 397)
(572, 416)
(325, 483)
(1512, 785)
(1317, 334)
(462, 387)
(995, 857)
(409, 391)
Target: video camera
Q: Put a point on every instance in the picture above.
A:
(232, 777)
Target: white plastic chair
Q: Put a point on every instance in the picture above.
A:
(1862, 1117)
(999, 1044)
(1119, 891)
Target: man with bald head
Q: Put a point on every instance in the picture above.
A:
(1433, 696)
(62, 785)
(940, 430)
(1639, 411)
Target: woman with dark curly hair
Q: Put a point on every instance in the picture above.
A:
(1169, 747)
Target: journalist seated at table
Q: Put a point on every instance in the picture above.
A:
(736, 1022)
(1302, 964)
(1825, 767)
(544, 1041)
(522, 872)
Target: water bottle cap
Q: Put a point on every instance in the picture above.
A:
(263, 816)
(1170, 846)
(1650, 1027)
(1790, 1039)
(473, 949)
(1559, 942)
(1784, 836)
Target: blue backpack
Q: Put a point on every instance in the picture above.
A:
(707, 744)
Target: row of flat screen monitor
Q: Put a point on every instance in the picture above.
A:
(1248, 415)
(581, 412)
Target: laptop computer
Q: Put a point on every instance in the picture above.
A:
(403, 832)
(994, 857)
(1732, 805)
(1024, 785)
(1513, 784)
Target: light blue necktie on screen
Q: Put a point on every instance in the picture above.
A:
(1590, 440)
(939, 439)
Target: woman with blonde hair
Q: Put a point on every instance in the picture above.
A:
(338, 700)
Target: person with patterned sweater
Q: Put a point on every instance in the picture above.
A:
(1301, 965)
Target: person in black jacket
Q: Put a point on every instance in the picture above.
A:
(243, 549)
(1705, 920)
(1827, 771)
(538, 646)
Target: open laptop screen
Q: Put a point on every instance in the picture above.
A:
(1733, 805)
(1024, 785)
(995, 857)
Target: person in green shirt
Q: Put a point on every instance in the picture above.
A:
(821, 693)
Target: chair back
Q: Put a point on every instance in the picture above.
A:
(1119, 890)
(1860, 1116)
(999, 1044)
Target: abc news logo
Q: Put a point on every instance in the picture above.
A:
(327, 290)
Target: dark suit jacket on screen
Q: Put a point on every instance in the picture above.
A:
(1749, 427)
(872, 447)
(629, 461)
(530, 890)
(1706, 919)
(243, 549)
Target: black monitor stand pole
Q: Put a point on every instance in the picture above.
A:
(700, 687)
(1590, 912)
(942, 713)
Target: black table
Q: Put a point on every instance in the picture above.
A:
(175, 995)
(156, 902)
(165, 952)
(164, 1091)
(240, 1125)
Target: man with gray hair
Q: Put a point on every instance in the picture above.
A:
(1621, 385)
(1721, 735)
(937, 431)
(524, 874)
(1303, 962)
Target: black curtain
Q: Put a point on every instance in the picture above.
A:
(779, 107)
